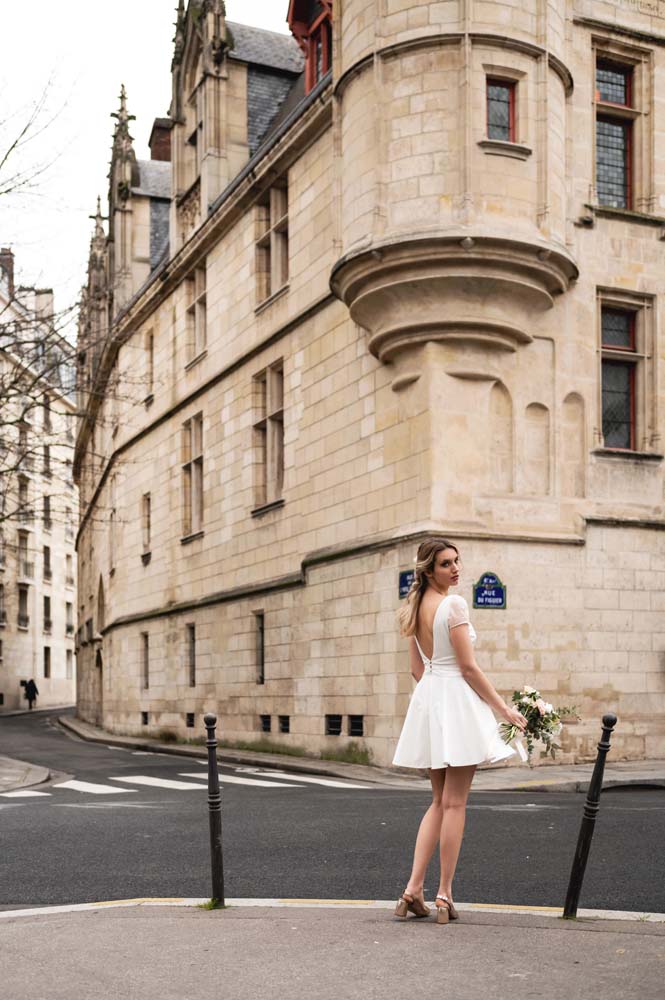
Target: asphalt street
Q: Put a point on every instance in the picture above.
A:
(121, 829)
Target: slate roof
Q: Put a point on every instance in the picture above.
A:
(267, 91)
(159, 230)
(265, 48)
(155, 179)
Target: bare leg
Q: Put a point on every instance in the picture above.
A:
(455, 794)
(429, 833)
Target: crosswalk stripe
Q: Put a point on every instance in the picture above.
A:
(330, 782)
(144, 779)
(235, 780)
(89, 786)
(21, 793)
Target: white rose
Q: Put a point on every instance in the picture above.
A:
(529, 690)
(548, 706)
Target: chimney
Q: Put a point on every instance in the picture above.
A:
(160, 139)
(44, 303)
(7, 265)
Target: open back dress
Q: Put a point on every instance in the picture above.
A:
(447, 723)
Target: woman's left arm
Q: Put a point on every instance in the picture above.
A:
(416, 664)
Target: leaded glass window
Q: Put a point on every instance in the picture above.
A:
(501, 110)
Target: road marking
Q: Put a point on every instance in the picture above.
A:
(88, 786)
(21, 793)
(145, 779)
(285, 776)
(233, 779)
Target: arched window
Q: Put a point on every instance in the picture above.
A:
(311, 25)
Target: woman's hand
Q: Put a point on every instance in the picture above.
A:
(514, 718)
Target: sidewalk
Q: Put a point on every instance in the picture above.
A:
(325, 952)
(554, 778)
(15, 774)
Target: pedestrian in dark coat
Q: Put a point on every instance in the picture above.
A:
(31, 692)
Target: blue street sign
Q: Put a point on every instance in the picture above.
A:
(406, 578)
(489, 592)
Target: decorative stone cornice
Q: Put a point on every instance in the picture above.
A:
(473, 289)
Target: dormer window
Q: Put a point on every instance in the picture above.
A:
(311, 25)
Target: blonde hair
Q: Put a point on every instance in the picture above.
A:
(407, 616)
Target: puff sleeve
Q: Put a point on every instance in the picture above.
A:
(458, 612)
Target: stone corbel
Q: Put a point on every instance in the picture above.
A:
(472, 290)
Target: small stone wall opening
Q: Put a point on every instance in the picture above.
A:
(189, 719)
(265, 722)
(333, 725)
(356, 725)
(284, 723)
(144, 718)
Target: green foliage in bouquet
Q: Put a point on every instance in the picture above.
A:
(543, 721)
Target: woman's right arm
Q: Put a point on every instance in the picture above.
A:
(416, 664)
(460, 639)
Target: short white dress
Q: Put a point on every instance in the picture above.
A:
(447, 723)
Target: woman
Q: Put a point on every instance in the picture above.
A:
(449, 727)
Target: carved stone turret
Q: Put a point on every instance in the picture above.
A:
(447, 233)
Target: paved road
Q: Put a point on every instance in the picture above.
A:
(117, 824)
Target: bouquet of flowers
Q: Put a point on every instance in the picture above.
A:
(543, 723)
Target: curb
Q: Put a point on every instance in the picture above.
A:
(336, 904)
(370, 774)
(35, 711)
(282, 762)
(27, 775)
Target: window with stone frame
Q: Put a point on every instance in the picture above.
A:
(192, 475)
(272, 242)
(145, 659)
(47, 661)
(25, 511)
(23, 618)
(268, 430)
(191, 654)
(47, 522)
(501, 98)
(623, 124)
(150, 365)
(627, 394)
(196, 313)
(3, 610)
(48, 621)
(146, 521)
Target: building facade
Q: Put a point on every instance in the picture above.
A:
(38, 499)
(413, 285)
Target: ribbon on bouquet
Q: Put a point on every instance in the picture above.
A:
(519, 746)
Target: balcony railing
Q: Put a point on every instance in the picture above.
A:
(69, 580)
(48, 524)
(26, 516)
(23, 620)
(69, 629)
(27, 569)
(48, 624)
(48, 573)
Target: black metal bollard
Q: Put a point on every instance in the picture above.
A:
(215, 812)
(588, 821)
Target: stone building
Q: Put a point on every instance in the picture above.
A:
(414, 284)
(38, 499)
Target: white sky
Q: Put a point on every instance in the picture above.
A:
(86, 49)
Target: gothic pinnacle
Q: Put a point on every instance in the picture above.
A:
(122, 114)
